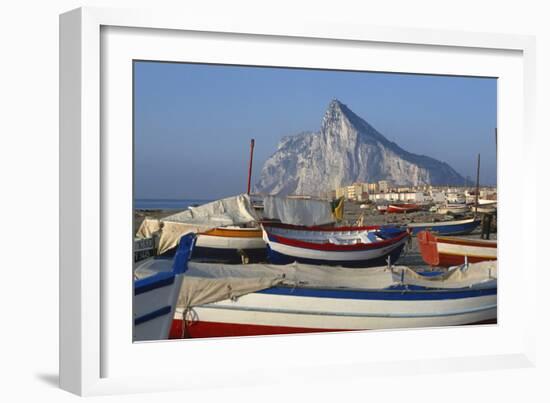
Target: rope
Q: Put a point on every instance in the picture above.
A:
(186, 323)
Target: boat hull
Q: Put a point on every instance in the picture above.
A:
(446, 251)
(153, 306)
(230, 245)
(285, 250)
(284, 310)
(156, 293)
(453, 210)
(484, 209)
(284, 254)
(401, 209)
(462, 227)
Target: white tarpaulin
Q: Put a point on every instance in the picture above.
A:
(458, 277)
(205, 283)
(298, 211)
(235, 210)
(220, 213)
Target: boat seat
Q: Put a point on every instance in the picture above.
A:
(339, 241)
(368, 237)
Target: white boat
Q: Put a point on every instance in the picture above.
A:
(454, 208)
(335, 246)
(485, 208)
(231, 245)
(157, 283)
(238, 300)
(234, 211)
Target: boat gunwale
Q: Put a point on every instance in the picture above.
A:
(325, 228)
(233, 232)
(466, 242)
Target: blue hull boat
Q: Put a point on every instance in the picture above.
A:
(461, 227)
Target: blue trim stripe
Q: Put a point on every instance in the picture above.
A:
(395, 294)
(159, 280)
(152, 315)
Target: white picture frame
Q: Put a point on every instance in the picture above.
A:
(94, 356)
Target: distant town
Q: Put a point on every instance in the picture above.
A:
(385, 191)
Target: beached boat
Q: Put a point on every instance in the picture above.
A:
(454, 208)
(452, 251)
(157, 283)
(485, 208)
(238, 300)
(231, 245)
(235, 211)
(382, 208)
(335, 246)
(457, 227)
(403, 208)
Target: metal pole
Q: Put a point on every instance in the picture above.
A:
(496, 141)
(477, 186)
(250, 165)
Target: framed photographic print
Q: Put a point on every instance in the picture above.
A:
(261, 193)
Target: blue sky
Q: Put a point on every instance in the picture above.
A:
(193, 122)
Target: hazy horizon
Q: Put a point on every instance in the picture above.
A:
(193, 122)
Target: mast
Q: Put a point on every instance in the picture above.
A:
(496, 141)
(477, 185)
(250, 165)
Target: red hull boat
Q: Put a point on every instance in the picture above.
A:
(403, 208)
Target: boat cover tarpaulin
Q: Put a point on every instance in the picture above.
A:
(206, 283)
(457, 277)
(298, 211)
(236, 210)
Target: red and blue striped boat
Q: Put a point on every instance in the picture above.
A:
(218, 300)
(334, 246)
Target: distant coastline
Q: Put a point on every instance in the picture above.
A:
(167, 204)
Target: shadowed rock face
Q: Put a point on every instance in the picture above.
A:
(346, 149)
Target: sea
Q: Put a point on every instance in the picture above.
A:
(167, 204)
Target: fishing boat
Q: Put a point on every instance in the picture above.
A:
(232, 212)
(219, 300)
(157, 283)
(455, 227)
(451, 251)
(403, 208)
(335, 246)
(454, 209)
(485, 208)
(382, 208)
(231, 245)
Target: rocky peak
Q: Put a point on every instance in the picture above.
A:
(347, 149)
